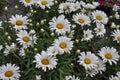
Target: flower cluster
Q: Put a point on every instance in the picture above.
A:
(70, 39)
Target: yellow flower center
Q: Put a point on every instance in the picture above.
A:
(45, 61)
(8, 73)
(99, 17)
(27, 1)
(86, 35)
(19, 22)
(81, 21)
(25, 39)
(66, 8)
(118, 38)
(87, 61)
(59, 26)
(44, 2)
(108, 56)
(67, 33)
(63, 45)
(99, 30)
(97, 65)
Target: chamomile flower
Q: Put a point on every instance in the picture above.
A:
(19, 22)
(45, 61)
(116, 35)
(100, 66)
(60, 25)
(9, 49)
(52, 51)
(66, 7)
(71, 77)
(9, 72)
(22, 52)
(81, 19)
(87, 35)
(109, 55)
(113, 78)
(100, 29)
(91, 72)
(28, 2)
(25, 39)
(63, 44)
(45, 3)
(88, 60)
(76, 6)
(100, 17)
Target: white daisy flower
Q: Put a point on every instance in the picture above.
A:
(69, 34)
(60, 24)
(91, 72)
(76, 6)
(88, 60)
(116, 35)
(81, 19)
(100, 17)
(63, 44)
(96, 4)
(19, 22)
(25, 39)
(87, 35)
(45, 61)
(90, 6)
(100, 29)
(52, 51)
(28, 2)
(100, 66)
(38, 77)
(66, 7)
(9, 49)
(71, 77)
(22, 52)
(45, 3)
(109, 55)
(9, 72)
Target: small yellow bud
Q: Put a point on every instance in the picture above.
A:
(52, 34)
(42, 30)
(6, 8)
(35, 49)
(9, 38)
(16, 7)
(78, 51)
(6, 33)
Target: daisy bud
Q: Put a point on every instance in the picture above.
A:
(37, 24)
(35, 49)
(78, 51)
(47, 11)
(52, 34)
(31, 11)
(42, 30)
(117, 26)
(76, 41)
(5, 21)
(111, 17)
(56, 2)
(6, 8)
(16, 7)
(72, 64)
(113, 25)
(9, 38)
(42, 22)
(6, 33)
(73, 26)
(31, 24)
(34, 11)
(30, 20)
